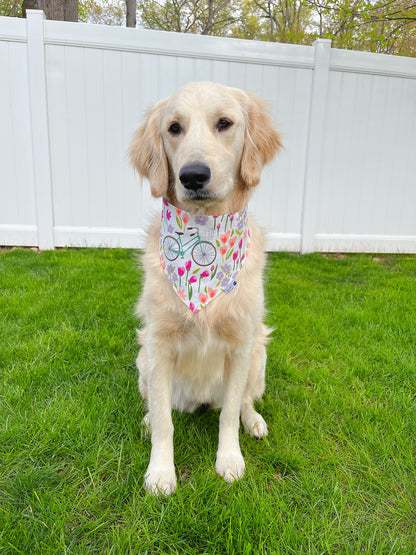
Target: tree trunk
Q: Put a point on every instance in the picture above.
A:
(63, 10)
(131, 13)
(210, 20)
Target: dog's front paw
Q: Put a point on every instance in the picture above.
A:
(255, 425)
(230, 466)
(160, 480)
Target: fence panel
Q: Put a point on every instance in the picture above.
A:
(18, 221)
(344, 182)
(367, 194)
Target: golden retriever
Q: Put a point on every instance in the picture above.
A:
(203, 149)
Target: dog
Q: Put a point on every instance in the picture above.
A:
(202, 149)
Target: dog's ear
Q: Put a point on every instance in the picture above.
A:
(262, 141)
(147, 153)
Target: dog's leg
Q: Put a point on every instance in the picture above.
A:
(230, 463)
(252, 421)
(160, 474)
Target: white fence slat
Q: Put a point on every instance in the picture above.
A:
(20, 133)
(96, 143)
(58, 134)
(8, 206)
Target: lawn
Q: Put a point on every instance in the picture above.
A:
(335, 475)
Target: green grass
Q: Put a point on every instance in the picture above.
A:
(335, 475)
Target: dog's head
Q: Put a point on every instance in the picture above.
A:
(203, 142)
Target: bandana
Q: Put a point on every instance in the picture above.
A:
(202, 255)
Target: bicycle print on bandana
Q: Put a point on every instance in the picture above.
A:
(202, 255)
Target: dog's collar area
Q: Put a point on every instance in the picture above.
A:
(202, 255)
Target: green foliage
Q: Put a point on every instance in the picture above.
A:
(11, 8)
(387, 26)
(104, 13)
(335, 475)
(189, 16)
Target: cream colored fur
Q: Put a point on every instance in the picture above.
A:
(218, 355)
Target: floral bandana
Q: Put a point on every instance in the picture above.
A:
(202, 255)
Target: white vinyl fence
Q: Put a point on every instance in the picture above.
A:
(72, 94)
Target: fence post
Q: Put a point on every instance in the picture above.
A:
(315, 143)
(40, 129)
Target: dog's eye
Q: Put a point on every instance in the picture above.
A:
(175, 128)
(223, 124)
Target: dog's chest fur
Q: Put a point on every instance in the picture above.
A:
(199, 372)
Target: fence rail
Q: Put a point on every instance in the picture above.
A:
(72, 94)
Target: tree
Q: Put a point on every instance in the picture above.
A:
(387, 26)
(131, 13)
(103, 13)
(11, 8)
(206, 17)
(64, 10)
(287, 19)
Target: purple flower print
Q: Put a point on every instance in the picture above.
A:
(227, 268)
(220, 275)
(201, 220)
(240, 225)
(170, 269)
(175, 277)
(170, 228)
(225, 282)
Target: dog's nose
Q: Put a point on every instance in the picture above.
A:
(195, 176)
